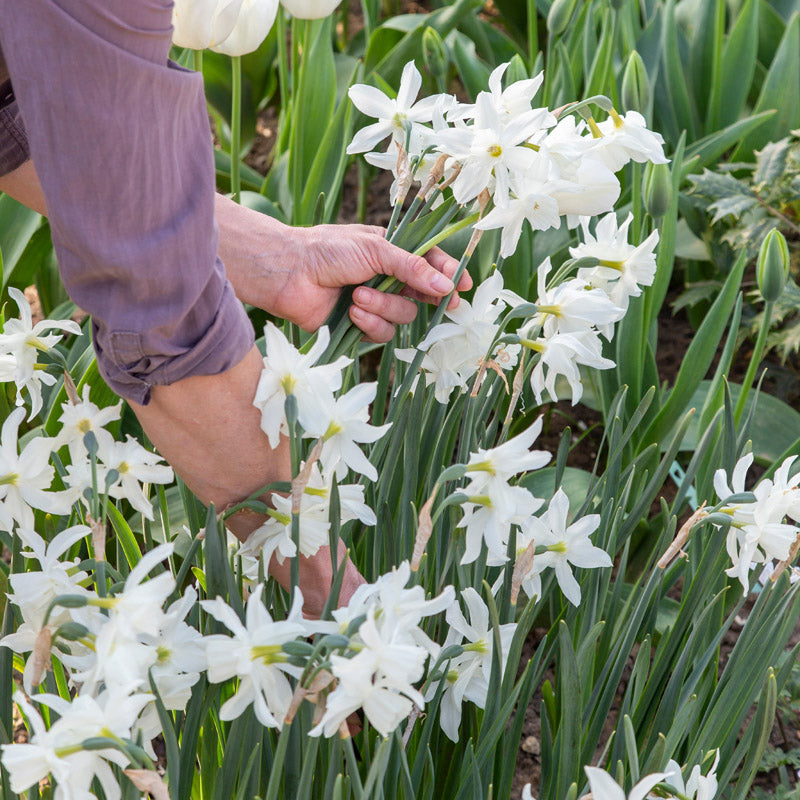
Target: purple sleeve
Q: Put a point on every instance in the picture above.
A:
(121, 143)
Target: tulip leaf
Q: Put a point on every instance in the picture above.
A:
(780, 91)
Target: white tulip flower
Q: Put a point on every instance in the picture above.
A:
(310, 9)
(253, 24)
(200, 24)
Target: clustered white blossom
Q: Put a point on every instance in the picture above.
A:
(758, 532)
(338, 423)
(538, 169)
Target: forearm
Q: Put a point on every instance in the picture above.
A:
(23, 185)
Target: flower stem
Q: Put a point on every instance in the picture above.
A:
(755, 360)
(277, 764)
(236, 125)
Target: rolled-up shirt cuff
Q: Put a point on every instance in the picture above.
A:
(132, 362)
(14, 150)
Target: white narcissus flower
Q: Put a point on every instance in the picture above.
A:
(342, 425)
(509, 102)
(468, 674)
(379, 679)
(394, 115)
(627, 138)
(58, 752)
(492, 148)
(604, 787)
(532, 198)
(252, 26)
(562, 354)
(488, 521)
(310, 9)
(571, 307)
(565, 545)
(623, 268)
(77, 419)
(288, 371)
(25, 478)
(698, 786)
(254, 654)
(23, 340)
(758, 533)
(134, 465)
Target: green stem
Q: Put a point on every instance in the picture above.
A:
(755, 360)
(236, 125)
(533, 33)
(277, 764)
(283, 58)
(197, 59)
(446, 233)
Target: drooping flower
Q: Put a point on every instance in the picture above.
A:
(697, 786)
(531, 198)
(563, 354)
(379, 678)
(58, 751)
(468, 674)
(78, 419)
(623, 268)
(627, 138)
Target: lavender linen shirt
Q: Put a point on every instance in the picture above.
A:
(119, 136)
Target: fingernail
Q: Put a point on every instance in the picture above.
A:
(357, 312)
(441, 284)
(361, 296)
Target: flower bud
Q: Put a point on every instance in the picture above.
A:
(434, 52)
(772, 268)
(635, 84)
(559, 16)
(657, 190)
(516, 71)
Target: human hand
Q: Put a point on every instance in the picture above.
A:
(297, 273)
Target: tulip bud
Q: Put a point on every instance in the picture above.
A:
(434, 52)
(516, 71)
(559, 16)
(772, 268)
(635, 84)
(657, 190)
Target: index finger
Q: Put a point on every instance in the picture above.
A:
(448, 265)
